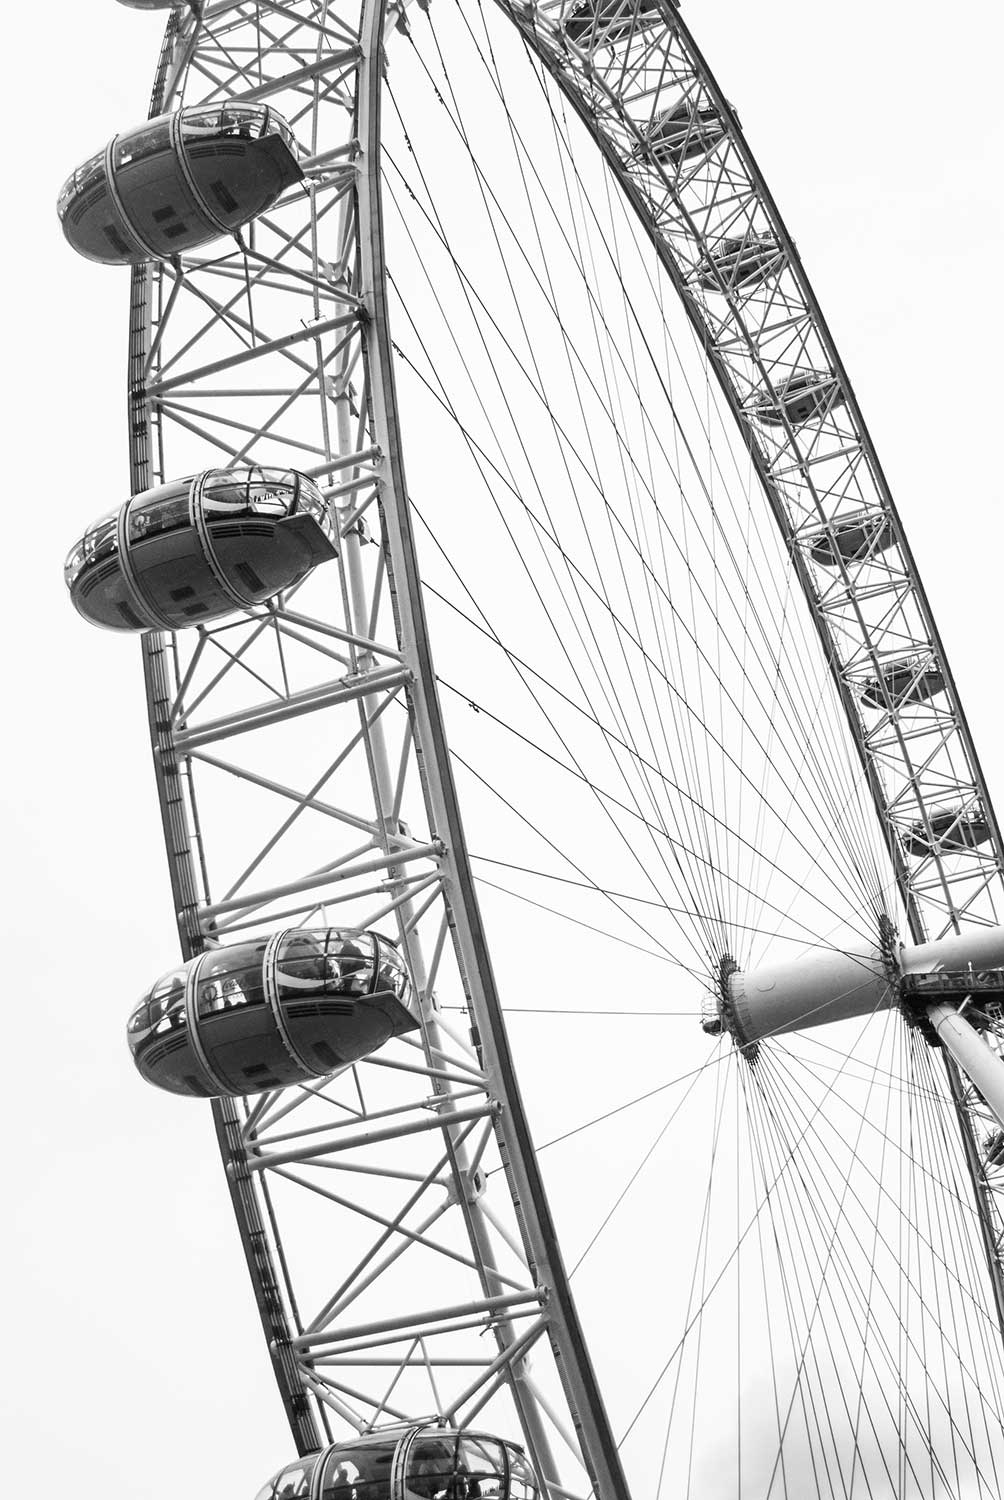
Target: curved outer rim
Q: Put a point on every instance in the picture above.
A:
(593, 1428)
(568, 66)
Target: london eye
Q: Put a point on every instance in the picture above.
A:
(528, 630)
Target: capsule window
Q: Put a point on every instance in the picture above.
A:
(304, 965)
(164, 1008)
(162, 509)
(391, 974)
(291, 1483)
(241, 120)
(310, 500)
(199, 122)
(140, 144)
(433, 1465)
(522, 1480)
(101, 540)
(349, 971)
(224, 986)
(224, 494)
(361, 1473)
(90, 175)
(480, 1469)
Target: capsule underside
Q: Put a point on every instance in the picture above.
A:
(174, 184)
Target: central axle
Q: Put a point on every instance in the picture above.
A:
(950, 988)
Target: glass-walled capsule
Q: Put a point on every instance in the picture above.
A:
(681, 133)
(904, 679)
(740, 263)
(606, 23)
(857, 538)
(948, 830)
(417, 1463)
(271, 1012)
(798, 400)
(200, 548)
(177, 182)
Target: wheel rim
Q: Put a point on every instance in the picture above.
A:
(188, 897)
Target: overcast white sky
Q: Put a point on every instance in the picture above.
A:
(878, 128)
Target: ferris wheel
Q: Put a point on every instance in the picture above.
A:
(689, 691)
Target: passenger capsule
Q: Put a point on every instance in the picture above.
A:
(799, 399)
(681, 133)
(178, 181)
(158, 4)
(950, 830)
(272, 1012)
(852, 539)
(409, 1463)
(906, 679)
(740, 263)
(606, 23)
(200, 548)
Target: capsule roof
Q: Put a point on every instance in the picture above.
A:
(200, 548)
(178, 181)
(271, 1012)
(409, 1463)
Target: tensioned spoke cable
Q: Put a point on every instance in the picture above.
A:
(679, 848)
(797, 1286)
(526, 667)
(523, 665)
(629, 479)
(609, 796)
(648, 659)
(589, 926)
(862, 932)
(603, 238)
(785, 1107)
(713, 1061)
(644, 868)
(799, 938)
(796, 1088)
(489, 786)
(643, 1163)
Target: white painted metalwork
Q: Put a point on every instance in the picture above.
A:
(300, 753)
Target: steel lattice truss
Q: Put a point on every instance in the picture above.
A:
(299, 751)
(302, 782)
